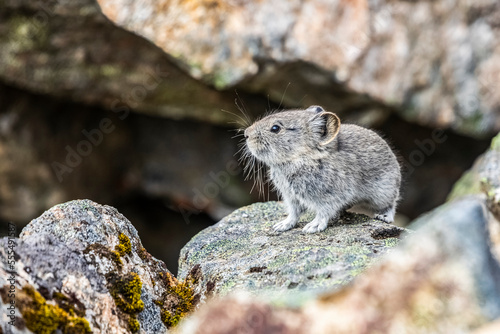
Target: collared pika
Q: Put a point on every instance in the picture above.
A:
(318, 164)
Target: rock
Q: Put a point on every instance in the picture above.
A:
(244, 314)
(81, 268)
(484, 175)
(483, 180)
(67, 155)
(491, 328)
(384, 49)
(242, 252)
(70, 50)
(441, 279)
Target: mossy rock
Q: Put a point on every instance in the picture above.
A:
(80, 267)
(483, 177)
(242, 252)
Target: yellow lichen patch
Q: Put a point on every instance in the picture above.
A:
(143, 254)
(115, 255)
(180, 296)
(126, 291)
(133, 324)
(124, 247)
(69, 305)
(44, 318)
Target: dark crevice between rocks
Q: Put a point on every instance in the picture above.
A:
(257, 269)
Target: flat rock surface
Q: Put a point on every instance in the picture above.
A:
(443, 278)
(242, 252)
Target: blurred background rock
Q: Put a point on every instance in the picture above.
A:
(127, 109)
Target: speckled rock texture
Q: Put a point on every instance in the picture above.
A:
(438, 60)
(441, 279)
(87, 260)
(70, 50)
(242, 252)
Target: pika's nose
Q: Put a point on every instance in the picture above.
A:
(246, 133)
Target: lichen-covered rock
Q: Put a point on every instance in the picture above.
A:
(483, 177)
(81, 268)
(441, 279)
(242, 252)
(386, 49)
(68, 49)
(483, 180)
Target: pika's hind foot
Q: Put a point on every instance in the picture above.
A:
(387, 215)
(285, 225)
(317, 225)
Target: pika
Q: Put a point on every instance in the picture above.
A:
(318, 164)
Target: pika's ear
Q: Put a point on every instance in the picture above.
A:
(327, 125)
(315, 108)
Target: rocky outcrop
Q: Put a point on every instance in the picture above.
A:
(437, 61)
(482, 178)
(71, 51)
(441, 279)
(243, 253)
(81, 268)
(483, 181)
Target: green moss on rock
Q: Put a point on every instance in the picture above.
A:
(467, 185)
(124, 246)
(495, 143)
(133, 324)
(126, 292)
(297, 265)
(68, 304)
(178, 301)
(44, 318)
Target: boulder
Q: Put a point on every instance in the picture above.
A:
(441, 279)
(81, 268)
(483, 177)
(243, 253)
(70, 50)
(483, 180)
(387, 50)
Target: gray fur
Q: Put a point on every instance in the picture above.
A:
(314, 167)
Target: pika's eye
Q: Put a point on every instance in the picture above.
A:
(275, 128)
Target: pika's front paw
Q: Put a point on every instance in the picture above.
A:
(315, 226)
(284, 225)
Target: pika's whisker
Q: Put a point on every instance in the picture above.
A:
(244, 122)
(242, 108)
(283, 96)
